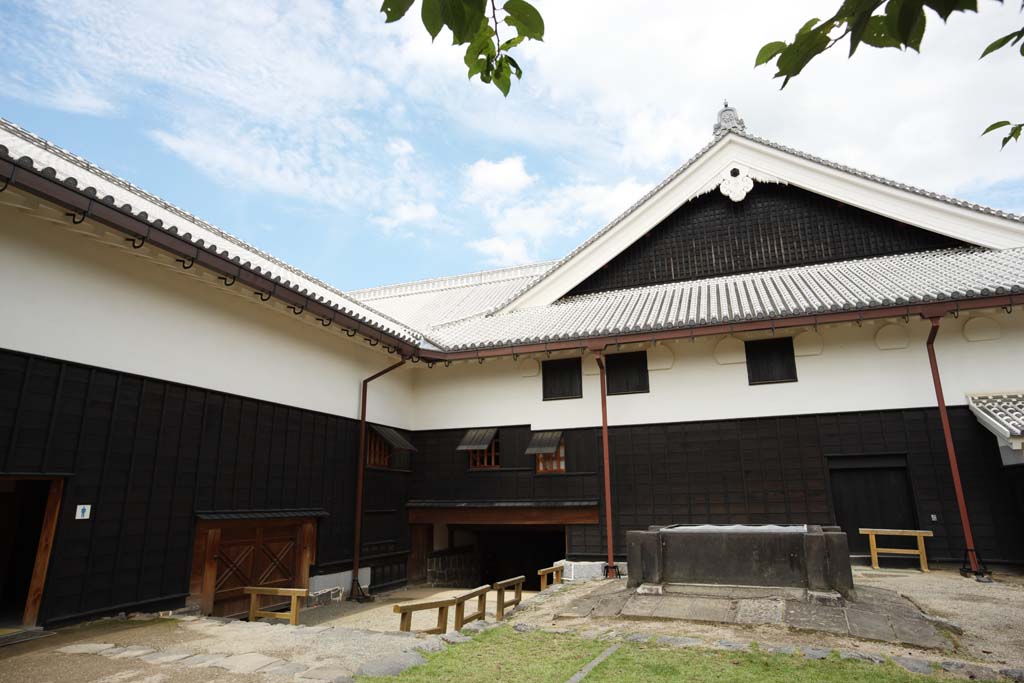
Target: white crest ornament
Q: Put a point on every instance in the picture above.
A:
(736, 185)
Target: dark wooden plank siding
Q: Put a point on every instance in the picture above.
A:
(755, 471)
(148, 454)
(776, 226)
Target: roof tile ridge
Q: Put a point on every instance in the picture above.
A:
(963, 203)
(425, 285)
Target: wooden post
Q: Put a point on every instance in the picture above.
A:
(874, 551)
(293, 618)
(42, 564)
(921, 551)
(442, 619)
(253, 607)
(210, 571)
(460, 615)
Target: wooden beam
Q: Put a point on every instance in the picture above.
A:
(504, 515)
(45, 547)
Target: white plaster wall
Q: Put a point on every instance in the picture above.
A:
(69, 296)
(851, 373)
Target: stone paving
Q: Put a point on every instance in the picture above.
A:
(878, 614)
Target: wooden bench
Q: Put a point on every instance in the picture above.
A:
(292, 615)
(555, 574)
(515, 583)
(442, 606)
(919, 551)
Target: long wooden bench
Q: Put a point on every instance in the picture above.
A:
(292, 615)
(442, 606)
(554, 574)
(919, 551)
(516, 584)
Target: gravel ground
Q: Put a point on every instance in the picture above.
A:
(990, 614)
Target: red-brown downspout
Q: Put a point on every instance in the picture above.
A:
(356, 589)
(610, 569)
(950, 451)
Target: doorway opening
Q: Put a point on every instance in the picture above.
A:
(23, 521)
(506, 551)
(870, 496)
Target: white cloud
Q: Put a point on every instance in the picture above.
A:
(496, 181)
(326, 102)
(407, 213)
(399, 147)
(521, 230)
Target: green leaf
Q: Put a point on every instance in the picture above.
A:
(996, 126)
(432, 19)
(811, 23)
(502, 75)
(1013, 135)
(1001, 42)
(511, 43)
(516, 69)
(525, 18)
(769, 52)
(464, 17)
(906, 21)
(395, 9)
(480, 51)
(876, 33)
(804, 48)
(944, 8)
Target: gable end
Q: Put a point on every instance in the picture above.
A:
(775, 226)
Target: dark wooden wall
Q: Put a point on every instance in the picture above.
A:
(756, 471)
(148, 454)
(776, 226)
(442, 473)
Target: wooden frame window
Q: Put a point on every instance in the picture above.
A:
(627, 373)
(562, 378)
(552, 463)
(486, 459)
(770, 361)
(378, 451)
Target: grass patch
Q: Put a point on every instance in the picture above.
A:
(502, 655)
(696, 665)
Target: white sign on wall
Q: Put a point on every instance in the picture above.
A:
(83, 511)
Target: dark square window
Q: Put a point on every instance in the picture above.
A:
(770, 360)
(627, 373)
(562, 378)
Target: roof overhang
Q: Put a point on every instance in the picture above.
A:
(766, 163)
(512, 513)
(139, 231)
(1001, 414)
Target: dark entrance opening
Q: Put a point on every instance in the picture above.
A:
(871, 497)
(507, 551)
(22, 505)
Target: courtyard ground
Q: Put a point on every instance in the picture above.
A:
(537, 644)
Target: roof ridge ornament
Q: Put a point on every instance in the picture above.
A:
(728, 120)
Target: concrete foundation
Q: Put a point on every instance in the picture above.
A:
(587, 571)
(792, 556)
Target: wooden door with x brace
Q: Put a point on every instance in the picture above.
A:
(229, 555)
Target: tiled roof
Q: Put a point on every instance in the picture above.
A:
(428, 303)
(960, 273)
(1005, 411)
(768, 143)
(29, 151)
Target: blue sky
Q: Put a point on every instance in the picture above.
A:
(359, 152)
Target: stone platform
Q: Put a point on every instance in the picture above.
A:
(878, 614)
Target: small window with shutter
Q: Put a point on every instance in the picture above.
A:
(770, 361)
(562, 378)
(483, 448)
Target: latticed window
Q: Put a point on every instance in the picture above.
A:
(378, 452)
(553, 462)
(483, 448)
(486, 458)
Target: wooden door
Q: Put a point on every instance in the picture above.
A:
(422, 543)
(872, 497)
(230, 555)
